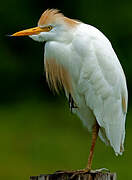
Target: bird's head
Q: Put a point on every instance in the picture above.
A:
(52, 26)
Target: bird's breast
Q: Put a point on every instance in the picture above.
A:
(57, 76)
(62, 66)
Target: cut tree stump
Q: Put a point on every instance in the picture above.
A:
(67, 176)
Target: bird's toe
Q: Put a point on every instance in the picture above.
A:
(79, 172)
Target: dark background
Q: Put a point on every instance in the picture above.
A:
(38, 134)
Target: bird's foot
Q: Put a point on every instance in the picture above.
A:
(87, 170)
(79, 172)
(73, 173)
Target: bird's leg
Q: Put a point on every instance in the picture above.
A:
(71, 103)
(73, 173)
(94, 138)
(70, 97)
(95, 131)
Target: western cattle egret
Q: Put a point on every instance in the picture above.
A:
(79, 58)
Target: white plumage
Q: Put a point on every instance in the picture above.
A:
(98, 81)
(94, 71)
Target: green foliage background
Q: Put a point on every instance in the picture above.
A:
(38, 134)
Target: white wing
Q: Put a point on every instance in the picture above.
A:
(103, 84)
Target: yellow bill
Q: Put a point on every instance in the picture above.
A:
(31, 31)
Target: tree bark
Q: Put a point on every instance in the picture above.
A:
(66, 176)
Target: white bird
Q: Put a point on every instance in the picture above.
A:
(81, 59)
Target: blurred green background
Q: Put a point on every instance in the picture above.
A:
(38, 134)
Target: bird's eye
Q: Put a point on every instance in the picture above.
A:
(49, 28)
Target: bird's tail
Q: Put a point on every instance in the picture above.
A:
(112, 128)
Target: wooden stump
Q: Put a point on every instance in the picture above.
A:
(66, 176)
